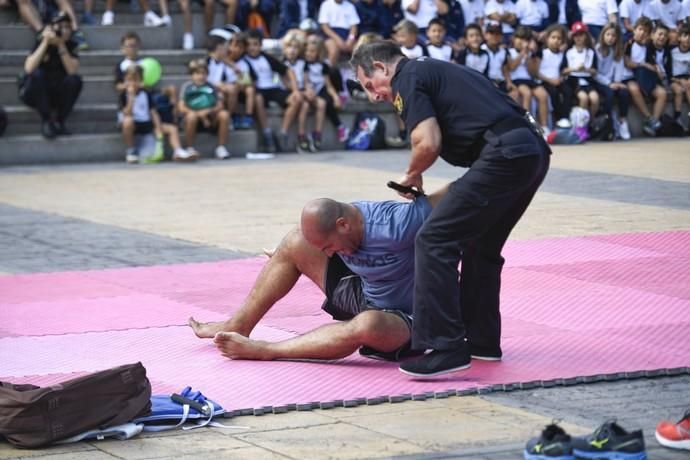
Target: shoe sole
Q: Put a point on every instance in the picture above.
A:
(434, 374)
(610, 455)
(685, 444)
(528, 456)
(486, 358)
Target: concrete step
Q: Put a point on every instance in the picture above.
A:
(94, 71)
(108, 59)
(95, 89)
(102, 147)
(20, 37)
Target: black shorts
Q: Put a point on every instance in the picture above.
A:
(143, 127)
(277, 95)
(344, 296)
(530, 83)
(502, 85)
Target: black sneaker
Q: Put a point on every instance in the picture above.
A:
(48, 130)
(61, 129)
(396, 355)
(485, 353)
(553, 444)
(610, 441)
(438, 362)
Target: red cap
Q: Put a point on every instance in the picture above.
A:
(578, 27)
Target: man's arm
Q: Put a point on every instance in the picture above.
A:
(426, 147)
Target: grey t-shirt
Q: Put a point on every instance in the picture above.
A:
(385, 259)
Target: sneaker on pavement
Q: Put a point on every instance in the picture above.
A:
(151, 19)
(396, 142)
(88, 19)
(131, 156)
(166, 20)
(315, 141)
(624, 130)
(269, 144)
(648, 126)
(610, 442)
(189, 154)
(79, 38)
(438, 362)
(108, 18)
(303, 144)
(221, 152)
(187, 41)
(343, 133)
(674, 435)
(553, 444)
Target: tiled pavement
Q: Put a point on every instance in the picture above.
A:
(99, 216)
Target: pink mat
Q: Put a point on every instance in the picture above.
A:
(572, 307)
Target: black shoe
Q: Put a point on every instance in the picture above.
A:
(48, 130)
(61, 129)
(554, 443)
(396, 355)
(438, 362)
(610, 441)
(485, 353)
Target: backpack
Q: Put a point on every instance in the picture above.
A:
(669, 127)
(368, 132)
(32, 416)
(601, 128)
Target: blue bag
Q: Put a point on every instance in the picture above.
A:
(170, 412)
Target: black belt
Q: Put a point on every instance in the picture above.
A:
(504, 126)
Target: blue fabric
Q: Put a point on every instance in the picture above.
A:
(164, 408)
(385, 259)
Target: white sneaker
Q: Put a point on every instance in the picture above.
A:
(108, 18)
(624, 130)
(563, 123)
(221, 152)
(131, 156)
(190, 154)
(187, 41)
(151, 19)
(166, 20)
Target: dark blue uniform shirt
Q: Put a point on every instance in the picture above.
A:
(466, 105)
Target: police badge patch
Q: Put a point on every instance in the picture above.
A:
(398, 104)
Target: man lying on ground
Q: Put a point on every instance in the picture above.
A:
(361, 256)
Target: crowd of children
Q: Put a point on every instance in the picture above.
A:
(554, 70)
(564, 76)
(236, 72)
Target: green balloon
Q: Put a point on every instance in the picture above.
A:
(152, 71)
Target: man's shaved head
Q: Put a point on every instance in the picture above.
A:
(332, 226)
(319, 216)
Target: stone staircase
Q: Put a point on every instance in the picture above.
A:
(96, 137)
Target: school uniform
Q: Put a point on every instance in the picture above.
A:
(472, 10)
(317, 73)
(141, 111)
(632, 10)
(478, 61)
(610, 70)
(532, 13)
(426, 12)
(645, 78)
(668, 13)
(662, 58)
(595, 13)
(219, 72)
(298, 69)
(505, 6)
(338, 16)
(443, 52)
(580, 80)
(497, 60)
(520, 75)
(416, 51)
(262, 70)
(550, 65)
(680, 63)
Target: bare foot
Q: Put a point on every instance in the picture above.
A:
(236, 346)
(206, 330)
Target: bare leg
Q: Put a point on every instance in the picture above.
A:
(638, 99)
(292, 258)
(543, 102)
(320, 114)
(27, 11)
(249, 100)
(593, 104)
(525, 96)
(230, 11)
(223, 120)
(261, 116)
(186, 16)
(380, 330)
(231, 92)
(170, 130)
(190, 121)
(302, 118)
(291, 111)
(128, 131)
(677, 96)
(660, 97)
(209, 11)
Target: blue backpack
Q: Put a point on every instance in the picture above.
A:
(368, 132)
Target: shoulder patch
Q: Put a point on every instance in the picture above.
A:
(398, 104)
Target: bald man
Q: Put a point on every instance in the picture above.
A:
(361, 256)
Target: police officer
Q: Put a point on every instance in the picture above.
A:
(456, 113)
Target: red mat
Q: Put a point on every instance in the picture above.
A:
(574, 310)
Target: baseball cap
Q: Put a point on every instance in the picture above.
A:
(578, 26)
(494, 27)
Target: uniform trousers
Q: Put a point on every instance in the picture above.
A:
(472, 223)
(48, 95)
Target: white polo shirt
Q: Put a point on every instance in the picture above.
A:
(668, 13)
(341, 15)
(426, 12)
(472, 10)
(596, 12)
(531, 12)
(507, 6)
(632, 10)
(550, 64)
